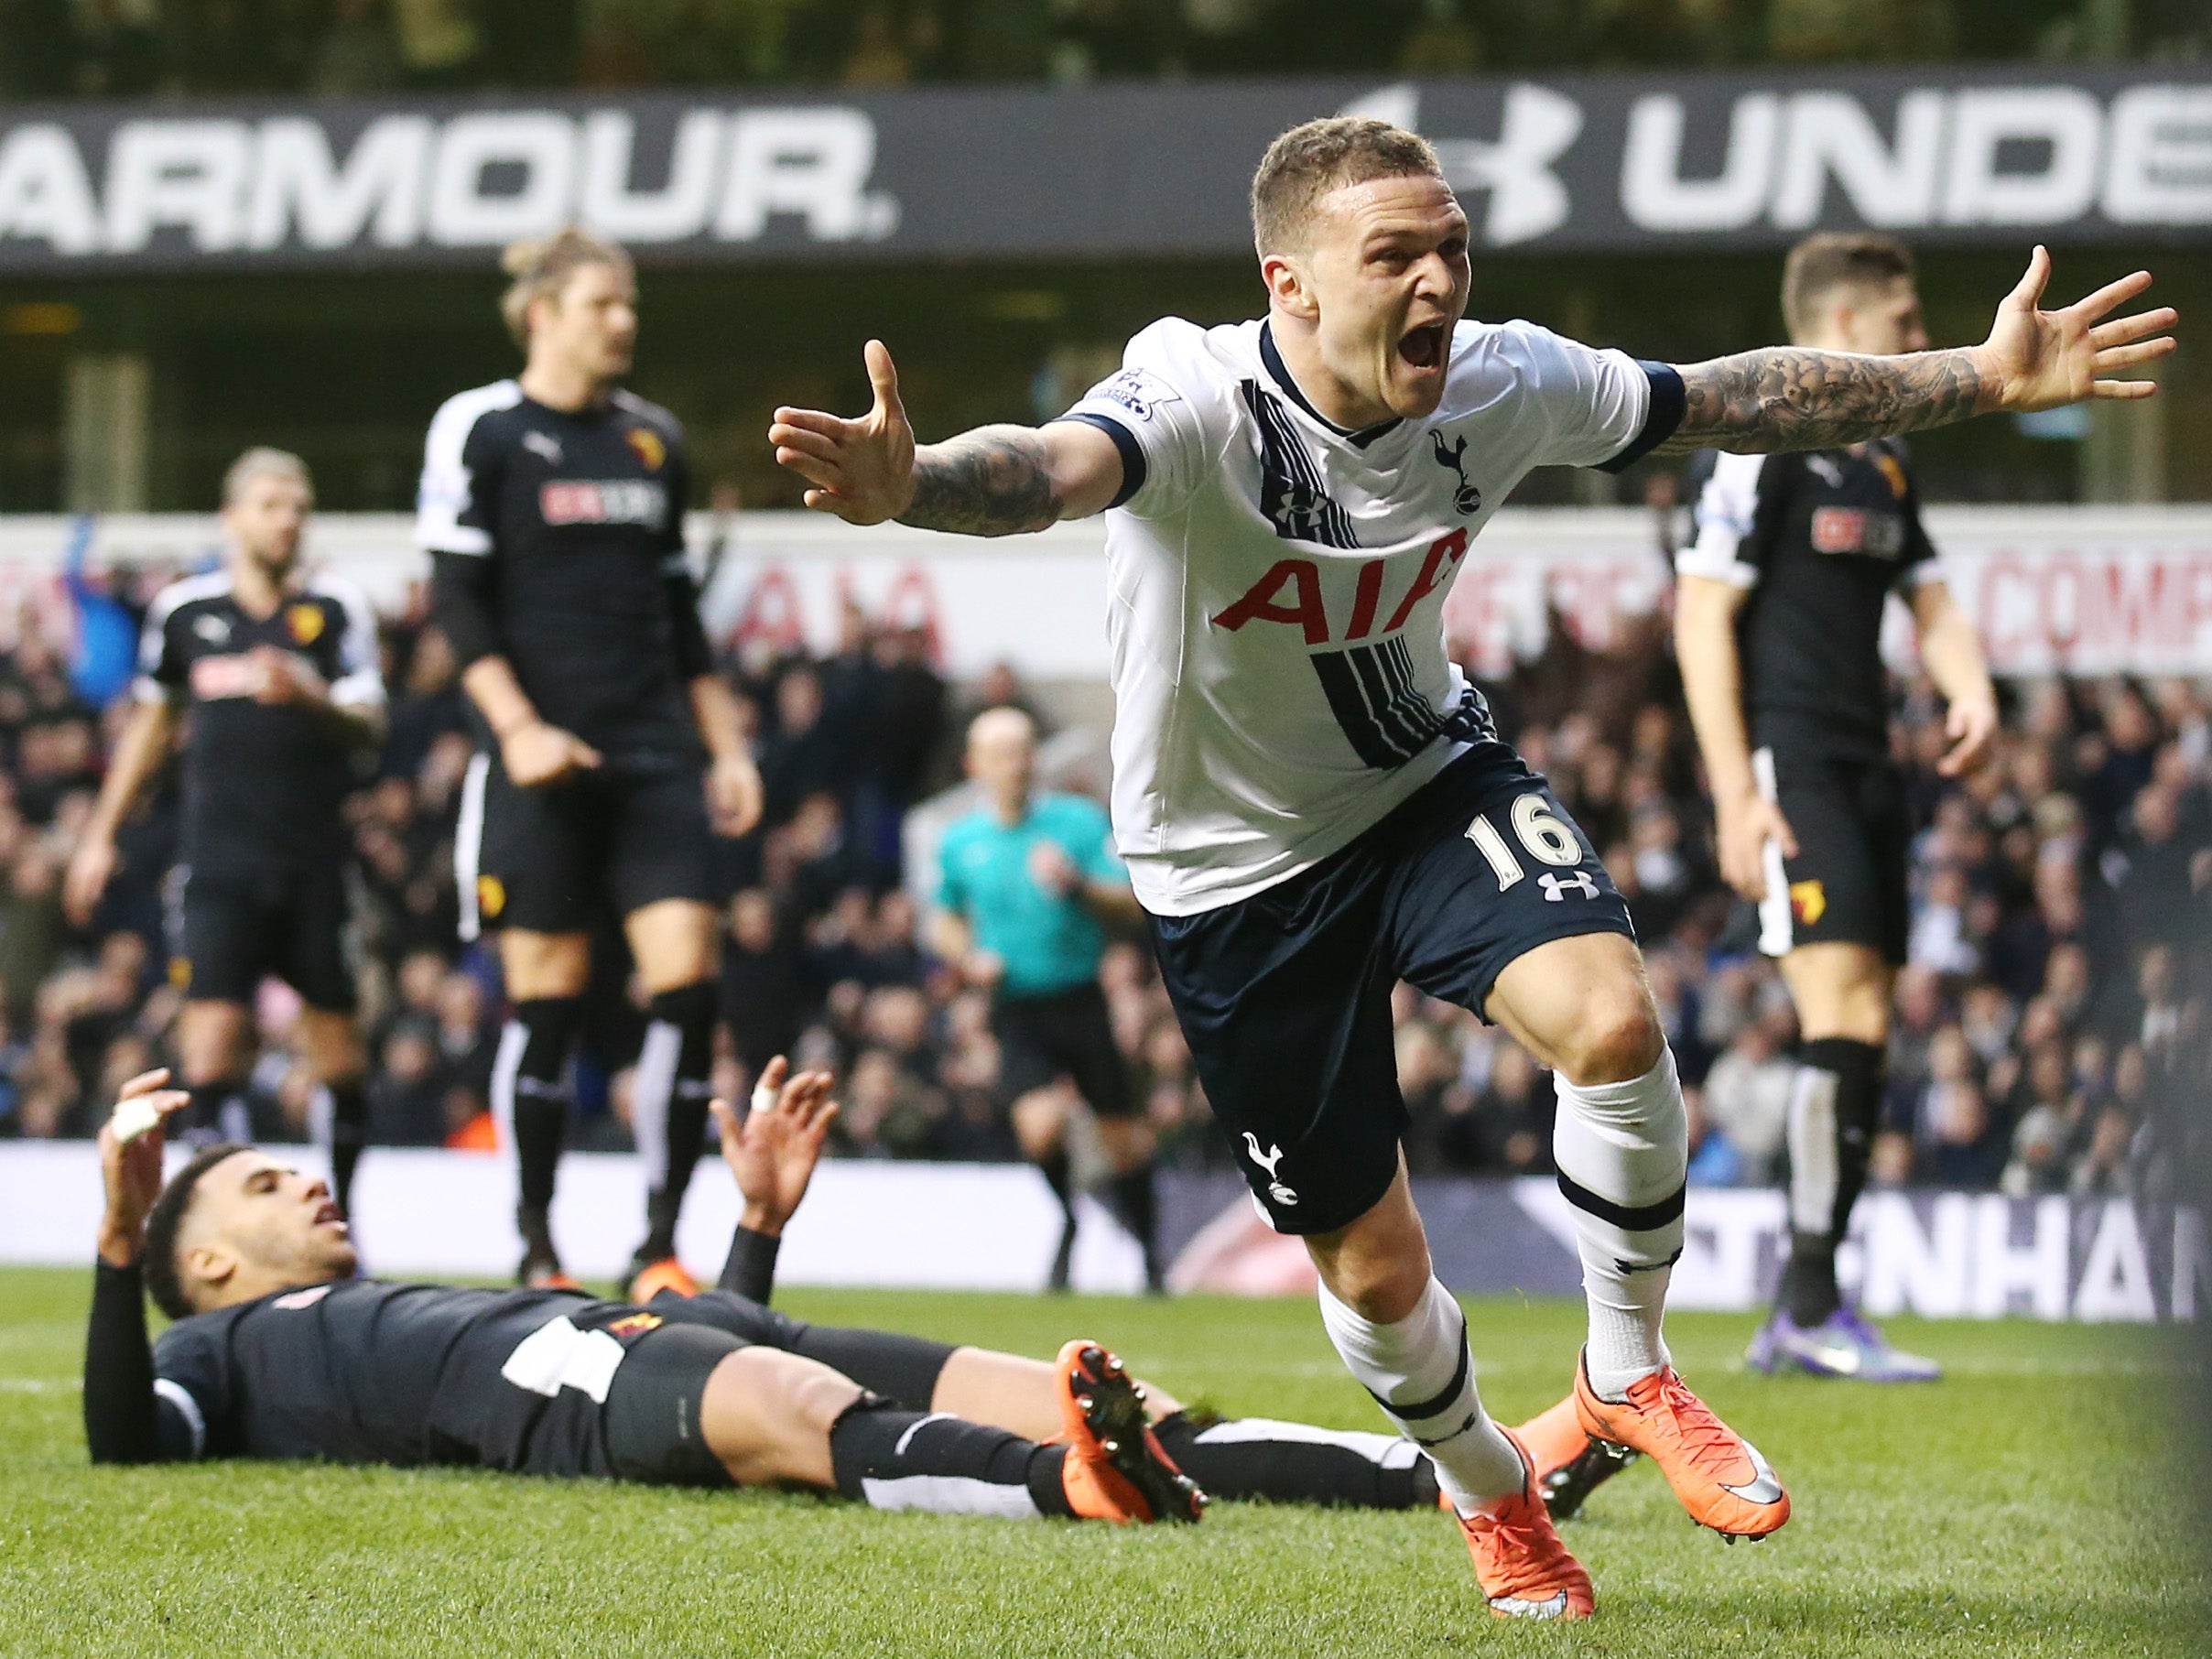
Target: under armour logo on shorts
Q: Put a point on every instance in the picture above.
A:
(1556, 887)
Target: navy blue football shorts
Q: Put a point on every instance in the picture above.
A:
(1284, 996)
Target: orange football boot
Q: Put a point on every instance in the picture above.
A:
(665, 1275)
(1718, 1474)
(1570, 1465)
(1553, 1438)
(1524, 1569)
(1115, 1468)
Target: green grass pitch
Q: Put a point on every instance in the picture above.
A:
(2020, 1508)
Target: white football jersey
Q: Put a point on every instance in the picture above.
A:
(1277, 584)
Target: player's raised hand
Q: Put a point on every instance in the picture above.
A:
(130, 1162)
(773, 1151)
(862, 470)
(2041, 360)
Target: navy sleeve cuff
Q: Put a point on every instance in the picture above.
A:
(1125, 441)
(1661, 421)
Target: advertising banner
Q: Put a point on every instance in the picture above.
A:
(2078, 590)
(1612, 163)
(994, 1227)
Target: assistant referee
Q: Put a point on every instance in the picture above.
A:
(1028, 885)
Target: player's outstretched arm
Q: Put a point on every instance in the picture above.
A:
(993, 480)
(1789, 397)
(772, 1153)
(121, 1411)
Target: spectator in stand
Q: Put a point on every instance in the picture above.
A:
(1747, 1094)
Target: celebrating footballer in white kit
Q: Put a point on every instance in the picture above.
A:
(1311, 800)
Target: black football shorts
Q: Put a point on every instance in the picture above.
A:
(1064, 1034)
(1849, 881)
(556, 858)
(650, 1424)
(230, 929)
(1284, 997)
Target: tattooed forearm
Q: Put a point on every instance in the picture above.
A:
(995, 480)
(1788, 398)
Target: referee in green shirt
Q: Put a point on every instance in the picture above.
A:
(1027, 885)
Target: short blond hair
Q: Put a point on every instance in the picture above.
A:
(1309, 161)
(540, 269)
(262, 461)
(1829, 260)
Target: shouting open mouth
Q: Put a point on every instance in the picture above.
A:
(1423, 347)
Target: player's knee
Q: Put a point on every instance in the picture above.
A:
(1040, 1120)
(767, 1415)
(1379, 1266)
(1382, 1293)
(1617, 1039)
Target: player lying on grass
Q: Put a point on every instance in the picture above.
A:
(279, 1350)
(346, 1380)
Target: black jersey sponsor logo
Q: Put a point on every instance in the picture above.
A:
(1857, 530)
(627, 500)
(1292, 492)
(1466, 499)
(219, 677)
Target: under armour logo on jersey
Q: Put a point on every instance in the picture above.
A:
(1556, 887)
(215, 630)
(1826, 468)
(1267, 1161)
(1466, 498)
(543, 444)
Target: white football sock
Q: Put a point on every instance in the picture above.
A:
(1421, 1374)
(1622, 1151)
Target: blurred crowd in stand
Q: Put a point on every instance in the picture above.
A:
(2054, 1024)
(133, 47)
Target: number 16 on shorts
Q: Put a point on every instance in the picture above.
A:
(1545, 838)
